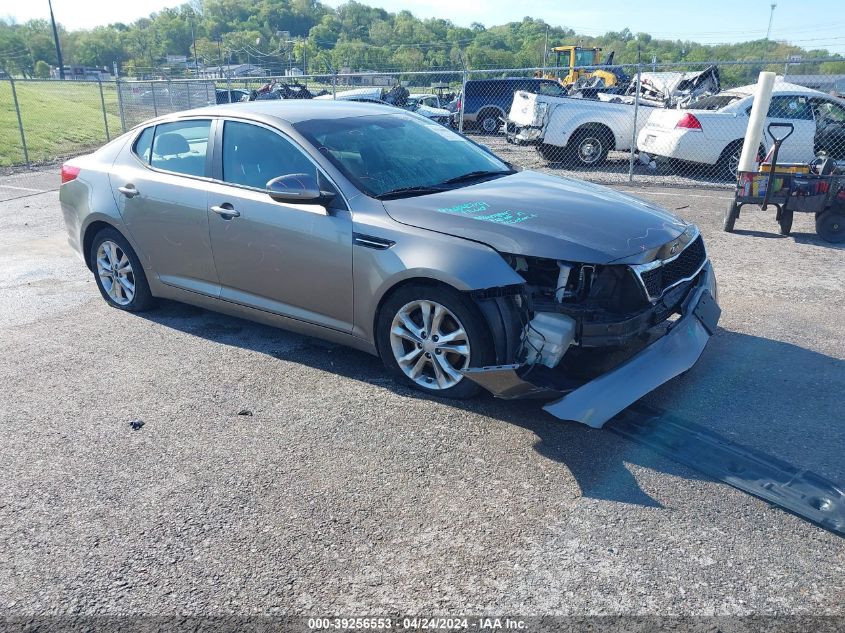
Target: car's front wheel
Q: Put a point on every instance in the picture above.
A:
(118, 272)
(427, 334)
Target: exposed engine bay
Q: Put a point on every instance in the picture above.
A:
(572, 324)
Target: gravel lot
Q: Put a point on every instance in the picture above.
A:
(345, 493)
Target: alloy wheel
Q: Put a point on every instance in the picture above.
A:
(589, 150)
(429, 344)
(115, 272)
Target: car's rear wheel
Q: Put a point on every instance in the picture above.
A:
(427, 334)
(488, 121)
(728, 163)
(118, 272)
(588, 148)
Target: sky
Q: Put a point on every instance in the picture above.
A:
(817, 24)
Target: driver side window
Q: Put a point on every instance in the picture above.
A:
(254, 155)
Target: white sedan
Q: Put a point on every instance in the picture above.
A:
(712, 132)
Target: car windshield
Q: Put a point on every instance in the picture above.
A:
(400, 153)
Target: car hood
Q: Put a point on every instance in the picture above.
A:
(428, 111)
(538, 215)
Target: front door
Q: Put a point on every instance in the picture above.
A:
(291, 259)
(161, 195)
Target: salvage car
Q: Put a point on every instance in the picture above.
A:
(329, 218)
(580, 132)
(712, 132)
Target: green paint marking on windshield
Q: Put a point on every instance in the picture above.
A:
(475, 210)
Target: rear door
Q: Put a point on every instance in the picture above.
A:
(160, 188)
(794, 109)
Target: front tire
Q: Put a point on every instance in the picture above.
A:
(118, 272)
(550, 153)
(427, 334)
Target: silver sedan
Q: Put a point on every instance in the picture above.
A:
(330, 218)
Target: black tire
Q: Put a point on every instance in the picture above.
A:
(830, 226)
(142, 298)
(488, 122)
(731, 214)
(469, 317)
(785, 221)
(728, 161)
(551, 153)
(588, 148)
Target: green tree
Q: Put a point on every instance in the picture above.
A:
(42, 69)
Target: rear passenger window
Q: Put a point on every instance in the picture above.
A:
(144, 144)
(790, 107)
(181, 147)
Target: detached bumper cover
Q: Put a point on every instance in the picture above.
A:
(523, 135)
(597, 401)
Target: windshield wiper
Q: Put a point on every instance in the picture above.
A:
(475, 174)
(408, 191)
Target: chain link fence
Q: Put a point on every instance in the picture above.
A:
(663, 124)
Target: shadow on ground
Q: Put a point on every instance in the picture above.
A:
(796, 430)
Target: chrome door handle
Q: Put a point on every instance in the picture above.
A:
(226, 211)
(129, 191)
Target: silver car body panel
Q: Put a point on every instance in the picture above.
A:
(530, 213)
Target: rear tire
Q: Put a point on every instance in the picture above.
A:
(731, 215)
(588, 148)
(402, 339)
(118, 272)
(488, 122)
(728, 163)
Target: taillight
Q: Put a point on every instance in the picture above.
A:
(688, 122)
(459, 105)
(69, 172)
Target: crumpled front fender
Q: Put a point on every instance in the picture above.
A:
(595, 402)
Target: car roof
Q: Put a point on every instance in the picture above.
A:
(288, 110)
(781, 87)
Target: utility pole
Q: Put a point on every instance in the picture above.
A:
(220, 57)
(56, 40)
(194, 41)
(771, 15)
(546, 48)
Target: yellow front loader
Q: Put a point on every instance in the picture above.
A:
(583, 64)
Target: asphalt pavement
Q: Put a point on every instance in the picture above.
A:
(275, 473)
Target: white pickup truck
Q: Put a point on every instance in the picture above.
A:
(580, 131)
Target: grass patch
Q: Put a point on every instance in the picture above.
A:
(60, 118)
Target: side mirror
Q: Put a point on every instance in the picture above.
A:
(299, 189)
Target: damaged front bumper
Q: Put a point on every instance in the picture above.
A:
(523, 135)
(595, 402)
